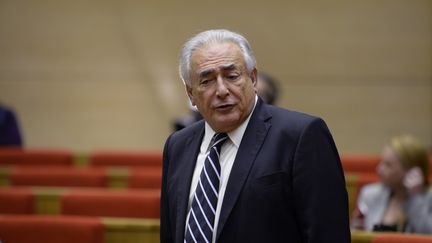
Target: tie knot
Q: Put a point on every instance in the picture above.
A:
(219, 139)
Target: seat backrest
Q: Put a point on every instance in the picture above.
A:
(35, 157)
(112, 203)
(360, 163)
(16, 201)
(126, 159)
(50, 229)
(145, 178)
(58, 176)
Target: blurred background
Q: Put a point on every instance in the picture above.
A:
(86, 75)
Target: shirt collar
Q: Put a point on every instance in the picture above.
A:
(235, 135)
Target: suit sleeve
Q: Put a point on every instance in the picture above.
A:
(166, 235)
(320, 195)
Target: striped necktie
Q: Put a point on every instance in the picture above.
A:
(203, 208)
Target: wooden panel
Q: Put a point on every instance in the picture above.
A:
(131, 230)
(47, 200)
(88, 75)
(361, 237)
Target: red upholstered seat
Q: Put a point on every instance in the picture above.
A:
(401, 238)
(58, 176)
(359, 163)
(113, 158)
(112, 203)
(16, 201)
(145, 178)
(50, 229)
(35, 157)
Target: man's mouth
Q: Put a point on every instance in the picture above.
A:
(224, 107)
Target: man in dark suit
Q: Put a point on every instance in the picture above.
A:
(280, 177)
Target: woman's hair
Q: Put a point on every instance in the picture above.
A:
(412, 154)
(213, 36)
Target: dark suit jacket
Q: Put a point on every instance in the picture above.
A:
(9, 130)
(286, 184)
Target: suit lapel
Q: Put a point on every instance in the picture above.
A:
(251, 142)
(186, 168)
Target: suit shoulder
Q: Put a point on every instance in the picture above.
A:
(278, 111)
(186, 132)
(293, 119)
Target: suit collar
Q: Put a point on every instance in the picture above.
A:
(252, 141)
(237, 135)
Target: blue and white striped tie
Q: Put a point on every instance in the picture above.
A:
(202, 213)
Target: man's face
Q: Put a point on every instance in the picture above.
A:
(222, 89)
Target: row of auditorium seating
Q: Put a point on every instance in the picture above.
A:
(109, 197)
(73, 229)
(146, 179)
(89, 202)
(55, 157)
(38, 157)
(63, 176)
(143, 203)
(141, 169)
(82, 187)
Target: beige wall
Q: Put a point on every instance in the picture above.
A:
(86, 75)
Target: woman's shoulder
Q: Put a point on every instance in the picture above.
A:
(374, 189)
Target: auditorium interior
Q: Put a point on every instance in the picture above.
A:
(95, 90)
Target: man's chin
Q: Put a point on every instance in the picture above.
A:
(227, 124)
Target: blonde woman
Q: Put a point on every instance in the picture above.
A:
(399, 201)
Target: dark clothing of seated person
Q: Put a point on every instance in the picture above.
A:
(9, 130)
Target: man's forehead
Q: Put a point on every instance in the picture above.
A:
(222, 67)
(215, 56)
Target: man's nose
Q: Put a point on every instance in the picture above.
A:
(221, 88)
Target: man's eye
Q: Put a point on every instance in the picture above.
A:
(232, 77)
(205, 81)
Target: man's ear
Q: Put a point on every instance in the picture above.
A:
(254, 77)
(190, 94)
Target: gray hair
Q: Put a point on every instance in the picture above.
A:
(216, 36)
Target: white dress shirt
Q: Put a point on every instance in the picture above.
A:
(228, 153)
